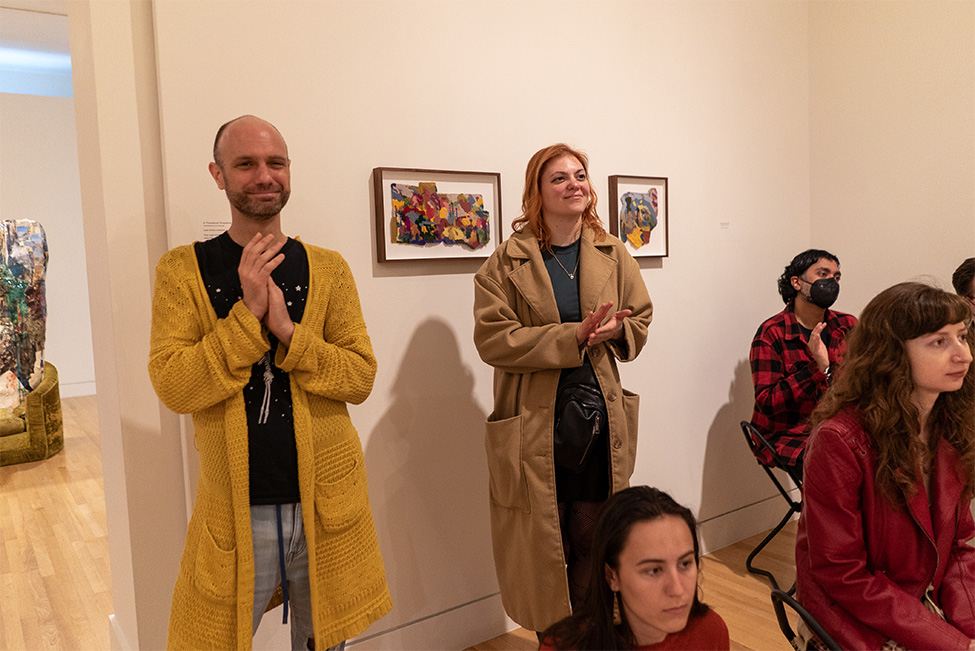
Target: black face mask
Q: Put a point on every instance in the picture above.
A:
(823, 292)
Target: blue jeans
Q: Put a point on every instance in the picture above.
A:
(267, 573)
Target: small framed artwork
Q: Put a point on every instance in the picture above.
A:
(638, 214)
(436, 214)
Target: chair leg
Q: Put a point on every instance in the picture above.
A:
(774, 532)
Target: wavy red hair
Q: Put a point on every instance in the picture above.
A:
(531, 198)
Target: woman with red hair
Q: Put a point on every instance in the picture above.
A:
(555, 307)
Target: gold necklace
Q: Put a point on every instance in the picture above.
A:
(572, 276)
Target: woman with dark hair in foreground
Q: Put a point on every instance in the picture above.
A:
(643, 591)
(882, 553)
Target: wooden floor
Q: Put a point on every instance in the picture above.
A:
(55, 587)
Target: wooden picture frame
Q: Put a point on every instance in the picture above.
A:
(424, 214)
(638, 209)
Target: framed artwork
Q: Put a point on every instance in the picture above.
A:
(436, 214)
(638, 214)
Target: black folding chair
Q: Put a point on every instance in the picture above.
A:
(781, 599)
(756, 443)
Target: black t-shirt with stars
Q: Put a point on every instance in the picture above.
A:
(267, 396)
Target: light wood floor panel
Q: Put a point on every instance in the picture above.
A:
(55, 581)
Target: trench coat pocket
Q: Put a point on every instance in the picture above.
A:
(631, 409)
(509, 487)
(216, 569)
(340, 503)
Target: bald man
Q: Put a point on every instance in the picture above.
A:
(261, 338)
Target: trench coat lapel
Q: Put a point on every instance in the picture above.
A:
(595, 268)
(531, 279)
(534, 284)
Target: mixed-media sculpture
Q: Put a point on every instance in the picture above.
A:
(30, 403)
(23, 309)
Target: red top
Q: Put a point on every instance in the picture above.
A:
(705, 633)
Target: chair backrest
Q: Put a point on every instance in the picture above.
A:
(758, 442)
(781, 599)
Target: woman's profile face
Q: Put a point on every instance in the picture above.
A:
(564, 186)
(939, 360)
(656, 578)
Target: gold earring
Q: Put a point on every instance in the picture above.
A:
(617, 617)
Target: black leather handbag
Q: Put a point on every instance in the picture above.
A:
(580, 415)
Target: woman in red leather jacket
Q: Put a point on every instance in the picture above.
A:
(883, 559)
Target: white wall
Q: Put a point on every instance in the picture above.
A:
(892, 112)
(117, 117)
(39, 181)
(714, 95)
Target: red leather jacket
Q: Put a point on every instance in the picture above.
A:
(862, 563)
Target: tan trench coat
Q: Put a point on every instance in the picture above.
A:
(517, 330)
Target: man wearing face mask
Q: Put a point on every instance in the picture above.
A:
(795, 353)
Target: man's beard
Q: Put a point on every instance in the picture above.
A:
(261, 211)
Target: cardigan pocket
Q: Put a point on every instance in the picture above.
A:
(341, 502)
(509, 487)
(216, 569)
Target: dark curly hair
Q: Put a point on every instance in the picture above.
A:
(798, 267)
(591, 626)
(876, 383)
(962, 278)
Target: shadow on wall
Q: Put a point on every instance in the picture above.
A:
(730, 479)
(429, 482)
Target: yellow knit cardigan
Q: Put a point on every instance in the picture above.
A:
(199, 365)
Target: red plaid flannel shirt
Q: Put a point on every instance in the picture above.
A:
(787, 387)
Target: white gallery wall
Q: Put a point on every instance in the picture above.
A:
(721, 97)
(39, 181)
(892, 139)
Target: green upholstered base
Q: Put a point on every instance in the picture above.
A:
(42, 434)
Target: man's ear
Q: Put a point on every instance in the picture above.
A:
(796, 282)
(217, 175)
(611, 578)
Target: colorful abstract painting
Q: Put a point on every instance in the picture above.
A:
(423, 216)
(23, 310)
(638, 216)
